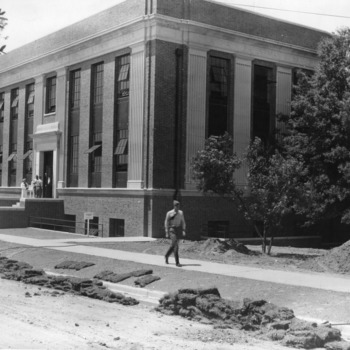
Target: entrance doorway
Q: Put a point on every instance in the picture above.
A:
(47, 176)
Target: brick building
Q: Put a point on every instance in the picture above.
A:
(111, 110)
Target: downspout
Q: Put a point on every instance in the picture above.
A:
(149, 11)
(148, 57)
(178, 121)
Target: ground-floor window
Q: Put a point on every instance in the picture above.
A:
(218, 229)
(116, 227)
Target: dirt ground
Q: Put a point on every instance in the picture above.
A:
(41, 320)
(281, 258)
(36, 318)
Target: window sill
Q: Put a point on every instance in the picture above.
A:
(46, 115)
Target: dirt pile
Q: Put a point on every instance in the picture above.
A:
(337, 259)
(265, 320)
(213, 246)
(19, 271)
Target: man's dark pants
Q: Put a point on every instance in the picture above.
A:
(174, 234)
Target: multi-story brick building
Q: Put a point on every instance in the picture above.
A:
(111, 110)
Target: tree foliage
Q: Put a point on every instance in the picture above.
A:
(214, 166)
(274, 182)
(319, 131)
(3, 23)
(308, 173)
(276, 187)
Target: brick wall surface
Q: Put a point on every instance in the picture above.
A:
(198, 210)
(169, 115)
(17, 218)
(231, 18)
(164, 115)
(106, 207)
(13, 218)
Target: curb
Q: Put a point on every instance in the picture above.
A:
(146, 295)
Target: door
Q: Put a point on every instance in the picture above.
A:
(47, 176)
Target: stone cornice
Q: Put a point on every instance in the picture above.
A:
(187, 27)
(192, 26)
(75, 43)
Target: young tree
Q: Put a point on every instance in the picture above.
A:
(3, 23)
(319, 131)
(276, 189)
(273, 181)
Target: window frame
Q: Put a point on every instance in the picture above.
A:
(51, 89)
(272, 115)
(229, 81)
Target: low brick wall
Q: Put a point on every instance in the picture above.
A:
(19, 217)
(13, 218)
(8, 202)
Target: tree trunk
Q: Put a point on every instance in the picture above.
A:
(263, 247)
(270, 246)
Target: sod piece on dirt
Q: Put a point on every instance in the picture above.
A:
(73, 265)
(267, 320)
(14, 270)
(145, 280)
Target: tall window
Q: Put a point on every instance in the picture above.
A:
(2, 114)
(12, 159)
(264, 95)
(95, 150)
(2, 106)
(28, 135)
(74, 122)
(219, 96)
(50, 95)
(121, 121)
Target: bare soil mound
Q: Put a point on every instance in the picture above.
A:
(214, 246)
(337, 259)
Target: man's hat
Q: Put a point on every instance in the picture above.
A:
(176, 202)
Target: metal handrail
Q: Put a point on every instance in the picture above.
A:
(65, 225)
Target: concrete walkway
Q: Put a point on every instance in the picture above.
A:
(69, 244)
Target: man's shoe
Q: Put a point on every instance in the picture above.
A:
(178, 265)
(166, 260)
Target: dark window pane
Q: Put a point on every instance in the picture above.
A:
(218, 111)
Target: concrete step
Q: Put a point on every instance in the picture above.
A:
(20, 204)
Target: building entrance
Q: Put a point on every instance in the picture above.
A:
(47, 176)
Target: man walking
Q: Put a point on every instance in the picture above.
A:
(175, 227)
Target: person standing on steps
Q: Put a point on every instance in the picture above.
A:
(24, 188)
(39, 188)
(175, 227)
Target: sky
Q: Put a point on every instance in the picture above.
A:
(29, 20)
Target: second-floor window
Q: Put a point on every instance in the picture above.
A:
(30, 101)
(121, 121)
(73, 128)
(14, 103)
(2, 106)
(264, 101)
(95, 150)
(50, 95)
(219, 96)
